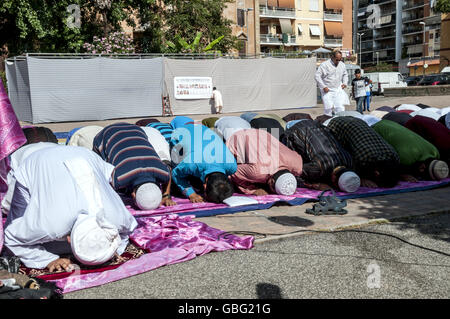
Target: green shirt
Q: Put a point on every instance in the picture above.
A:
(411, 147)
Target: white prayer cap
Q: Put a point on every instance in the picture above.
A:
(85, 136)
(148, 196)
(327, 122)
(286, 184)
(427, 113)
(94, 240)
(370, 119)
(411, 107)
(349, 182)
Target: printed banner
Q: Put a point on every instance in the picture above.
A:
(191, 87)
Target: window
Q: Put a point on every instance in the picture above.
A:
(313, 5)
(300, 29)
(240, 17)
(315, 30)
(299, 4)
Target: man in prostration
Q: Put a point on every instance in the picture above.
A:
(204, 167)
(264, 164)
(332, 79)
(63, 203)
(138, 170)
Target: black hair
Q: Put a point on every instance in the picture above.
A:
(218, 188)
(358, 71)
(214, 88)
(38, 134)
(279, 173)
(388, 174)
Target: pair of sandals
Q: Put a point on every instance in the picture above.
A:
(328, 205)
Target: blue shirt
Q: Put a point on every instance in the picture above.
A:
(204, 153)
(180, 121)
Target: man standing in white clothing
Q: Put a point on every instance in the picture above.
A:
(217, 96)
(332, 79)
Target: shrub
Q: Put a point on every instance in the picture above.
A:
(114, 43)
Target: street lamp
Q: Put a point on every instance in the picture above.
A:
(360, 57)
(423, 23)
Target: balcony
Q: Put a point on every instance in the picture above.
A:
(332, 43)
(276, 39)
(274, 12)
(332, 17)
(413, 5)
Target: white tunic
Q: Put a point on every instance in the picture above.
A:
(228, 125)
(47, 201)
(158, 142)
(217, 96)
(331, 76)
(16, 159)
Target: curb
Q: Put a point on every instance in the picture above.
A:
(378, 221)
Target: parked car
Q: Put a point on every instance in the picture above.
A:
(413, 80)
(382, 80)
(446, 70)
(435, 79)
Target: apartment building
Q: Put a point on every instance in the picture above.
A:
(291, 25)
(406, 31)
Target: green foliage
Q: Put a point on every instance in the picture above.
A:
(42, 25)
(443, 6)
(183, 46)
(3, 78)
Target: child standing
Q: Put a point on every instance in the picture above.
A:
(368, 96)
(217, 96)
(359, 90)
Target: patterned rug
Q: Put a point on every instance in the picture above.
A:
(131, 252)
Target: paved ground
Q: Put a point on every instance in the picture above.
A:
(316, 266)
(339, 265)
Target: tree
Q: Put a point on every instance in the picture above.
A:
(443, 6)
(183, 46)
(183, 19)
(42, 25)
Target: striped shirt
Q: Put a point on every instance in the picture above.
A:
(367, 147)
(135, 161)
(164, 128)
(317, 146)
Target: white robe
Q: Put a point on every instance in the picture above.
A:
(16, 159)
(158, 142)
(47, 201)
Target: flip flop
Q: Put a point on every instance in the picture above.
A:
(328, 205)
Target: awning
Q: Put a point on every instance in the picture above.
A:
(315, 30)
(420, 63)
(272, 3)
(334, 4)
(286, 26)
(286, 3)
(333, 28)
(300, 29)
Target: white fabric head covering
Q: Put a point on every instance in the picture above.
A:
(349, 113)
(438, 170)
(158, 142)
(447, 120)
(85, 136)
(445, 110)
(349, 182)
(286, 184)
(378, 113)
(94, 240)
(370, 119)
(427, 113)
(148, 196)
(411, 107)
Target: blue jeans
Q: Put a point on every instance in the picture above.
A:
(359, 103)
(367, 103)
